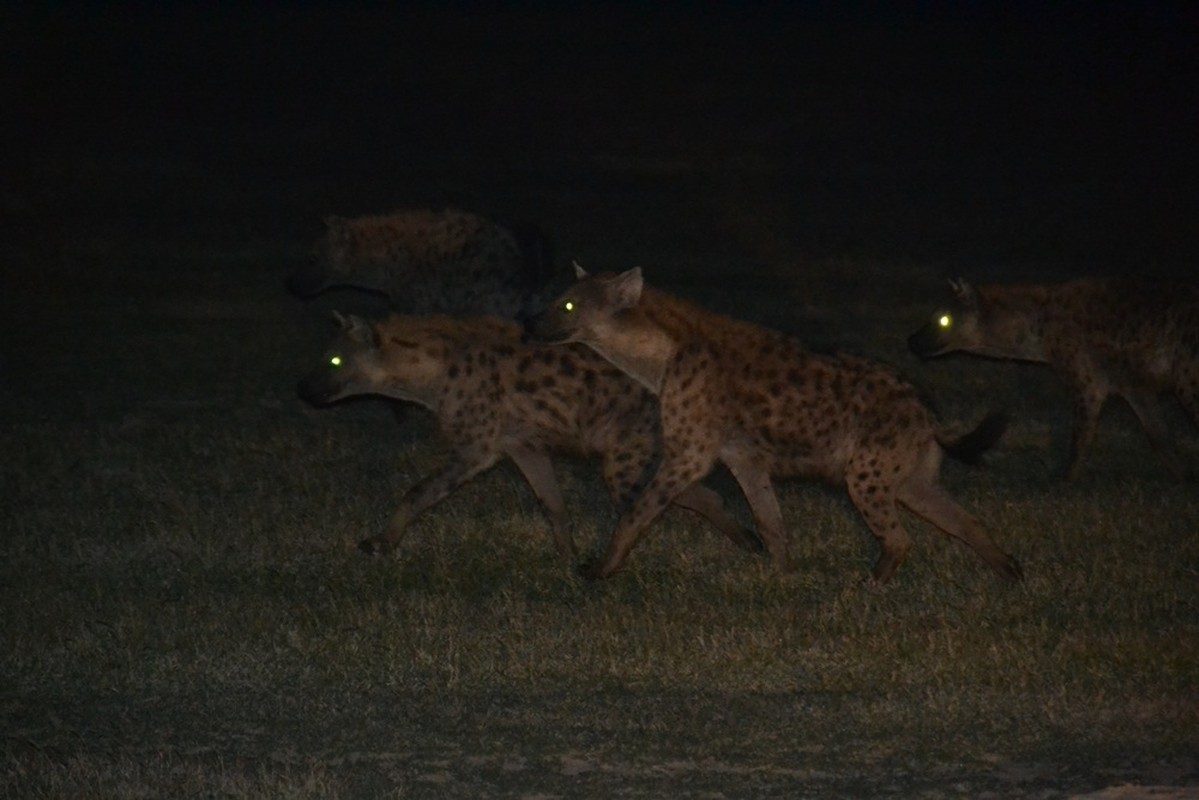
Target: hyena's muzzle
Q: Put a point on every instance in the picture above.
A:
(545, 327)
(322, 386)
(929, 341)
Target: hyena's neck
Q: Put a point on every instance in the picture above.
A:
(1016, 319)
(422, 397)
(637, 347)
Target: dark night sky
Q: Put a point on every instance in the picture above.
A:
(1074, 127)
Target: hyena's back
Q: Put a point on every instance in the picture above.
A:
(430, 262)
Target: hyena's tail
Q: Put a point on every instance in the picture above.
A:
(969, 447)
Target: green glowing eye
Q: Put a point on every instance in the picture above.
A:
(568, 305)
(945, 321)
(335, 361)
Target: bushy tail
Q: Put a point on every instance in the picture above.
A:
(969, 447)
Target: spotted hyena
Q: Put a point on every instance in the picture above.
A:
(496, 397)
(428, 262)
(1129, 338)
(765, 406)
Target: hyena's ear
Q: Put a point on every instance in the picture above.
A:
(580, 273)
(964, 292)
(354, 326)
(626, 288)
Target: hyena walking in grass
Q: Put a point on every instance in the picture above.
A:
(763, 405)
(1103, 336)
(496, 397)
(429, 262)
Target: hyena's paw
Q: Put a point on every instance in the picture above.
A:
(376, 546)
(1011, 572)
(591, 570)
(748, 540)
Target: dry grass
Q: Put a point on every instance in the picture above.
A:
(186, 612)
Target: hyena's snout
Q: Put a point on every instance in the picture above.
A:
(926, 342)
(320, 389)
(545, 328)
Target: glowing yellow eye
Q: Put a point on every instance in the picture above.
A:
(335, 361)
(568, 306)
(944, 321)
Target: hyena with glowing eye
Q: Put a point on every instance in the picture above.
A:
(429, 262)
(1134, 339)
(762, 404)
(495, 397)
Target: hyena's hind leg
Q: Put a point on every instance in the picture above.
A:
(875, 501)
(710, 505)
(924, 496)
(1088, 402)
(539, 472)
(1146, 404)
(754, 479)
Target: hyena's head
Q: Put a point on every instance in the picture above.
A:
(954, 327)
(349, 366)
(393, 359)
(586, 311)
(324, 265)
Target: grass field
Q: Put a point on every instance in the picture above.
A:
(185, 613)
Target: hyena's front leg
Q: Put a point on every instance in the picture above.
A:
(672, 478)
(631, 462)
(424, 495)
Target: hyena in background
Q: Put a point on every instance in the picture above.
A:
(1103, 336)
(765, 406)
(429, 262)
(496, 397)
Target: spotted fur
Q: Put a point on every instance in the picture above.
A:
(496, 397)
(766, 407)
(427, 262)
(1105, 337)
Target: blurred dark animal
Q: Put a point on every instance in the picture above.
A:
(1134, 339)
(429, 262)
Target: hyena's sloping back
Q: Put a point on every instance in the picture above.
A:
(1133, 339)
(762, 404)
(496, 397)
(429, 262)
